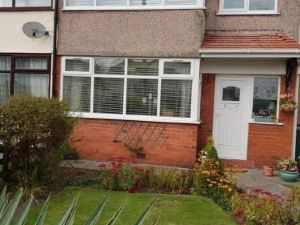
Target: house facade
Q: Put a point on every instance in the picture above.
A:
(151, 80)
(26, 47)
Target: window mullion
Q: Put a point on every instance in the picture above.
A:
(92, 86)
(247, 5)
(160, 66)
(125, 88)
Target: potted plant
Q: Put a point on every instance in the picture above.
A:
(288, 170)
(287, 102)
(268, 171)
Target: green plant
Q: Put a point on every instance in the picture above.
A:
(120, 175)
(264, 208)
(69, 152)
(289, 165)
(9, 214)
(210, 179)
(33, 129)
(168, 181)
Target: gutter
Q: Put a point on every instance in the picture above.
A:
(54, 48)
(250, 53)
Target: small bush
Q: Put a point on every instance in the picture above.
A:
(168, 181)
(264, 208)
(69, 152)
(120, 176)
(33, 130)
(210, 179)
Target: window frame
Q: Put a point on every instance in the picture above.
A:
(195, 76)
(199, 5)
(246, 10)
(13, 70)
(278, 100)
(13, 7)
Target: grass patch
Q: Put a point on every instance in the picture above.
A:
(169, 209)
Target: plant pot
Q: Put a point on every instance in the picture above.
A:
(289, 176)
(268, 171)
(288, 107)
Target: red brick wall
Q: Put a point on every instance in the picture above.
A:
(268, 143)
(207, 108)
(164, 143)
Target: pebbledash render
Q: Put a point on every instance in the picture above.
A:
(151, 80)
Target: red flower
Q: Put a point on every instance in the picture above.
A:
(136, 168)
(258, 190)
(238, 212)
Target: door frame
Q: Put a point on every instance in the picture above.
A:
(248, 108)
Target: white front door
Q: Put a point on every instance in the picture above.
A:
(232, 115)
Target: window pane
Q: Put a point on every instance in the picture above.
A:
(33, 3)
(142, 97)
(145, 2)
(109, 66)
(32, 63)
(108, 95)
(78, 65)
(265, 99)
(143, 67)
(5, 3)
(79, 3)
(231, 94)
(4, 87)
(181, 2)
(111, 2)
(5, 63)
(234, 4)
(177, 68)
(176, 98)
(31, 84)
(262, 4)
(77, 93)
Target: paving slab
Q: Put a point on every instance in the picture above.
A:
(254, 178)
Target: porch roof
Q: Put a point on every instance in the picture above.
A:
(249, 45)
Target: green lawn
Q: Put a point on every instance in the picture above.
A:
(171, 210)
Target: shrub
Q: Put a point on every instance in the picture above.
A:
(169, 181)
(210, 179)
(33, 130)
(69, 152)
(120, 176)
(264, 208)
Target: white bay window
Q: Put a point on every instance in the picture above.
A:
(248, 6)
(133, 89)
(131, 4)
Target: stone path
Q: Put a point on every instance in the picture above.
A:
(254, 178)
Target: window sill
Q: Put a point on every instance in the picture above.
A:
(133, 8)
(268, 123)
(134, 118)
(248, 13)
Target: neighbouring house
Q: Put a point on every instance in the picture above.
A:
(26, 47)
(151, 80)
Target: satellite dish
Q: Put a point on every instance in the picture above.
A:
(34, 30)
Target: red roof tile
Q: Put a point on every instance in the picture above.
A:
(238, 41)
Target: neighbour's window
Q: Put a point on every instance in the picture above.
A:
(248, 6)
(25, 3)
(28, 75)
(265, 99)
(131, 87)
(131, 4)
